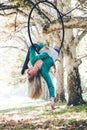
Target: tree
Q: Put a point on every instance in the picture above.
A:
(69, 50)
(60, 93)
(73, 78)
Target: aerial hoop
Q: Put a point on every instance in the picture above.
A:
(59, 18)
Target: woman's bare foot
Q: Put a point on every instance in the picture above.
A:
(52, 103)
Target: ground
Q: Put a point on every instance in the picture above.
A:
(41, 117)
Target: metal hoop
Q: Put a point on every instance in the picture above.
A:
(59, 16)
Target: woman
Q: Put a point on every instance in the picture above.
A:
(43, 62)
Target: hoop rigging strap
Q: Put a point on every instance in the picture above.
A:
(59, 16)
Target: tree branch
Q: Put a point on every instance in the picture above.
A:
(8, 7)
(21, 12)
(82, 35)
(21, 40)
(82, 57)
(13, 47)
(6, 14)
(79, 38)
(69, 23)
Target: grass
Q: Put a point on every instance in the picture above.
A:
(41, 118)
(23, 109)
(79, 108)
(65, 109)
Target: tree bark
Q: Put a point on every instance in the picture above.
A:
(69, 23)
(73, 78)
(60, 95)
(74, 86)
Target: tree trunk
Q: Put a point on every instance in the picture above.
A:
(45, 95)
(74, 88)
(60, 96)
(73, 78)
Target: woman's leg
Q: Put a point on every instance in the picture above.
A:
(36, 61)
(47, 64)
(34, 56)
(45, 74)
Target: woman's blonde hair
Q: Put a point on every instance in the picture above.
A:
(34, 87)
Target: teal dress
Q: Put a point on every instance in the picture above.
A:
(47, 64)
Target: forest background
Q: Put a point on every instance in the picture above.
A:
(71, 83)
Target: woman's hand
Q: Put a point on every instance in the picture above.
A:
(46, 47)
